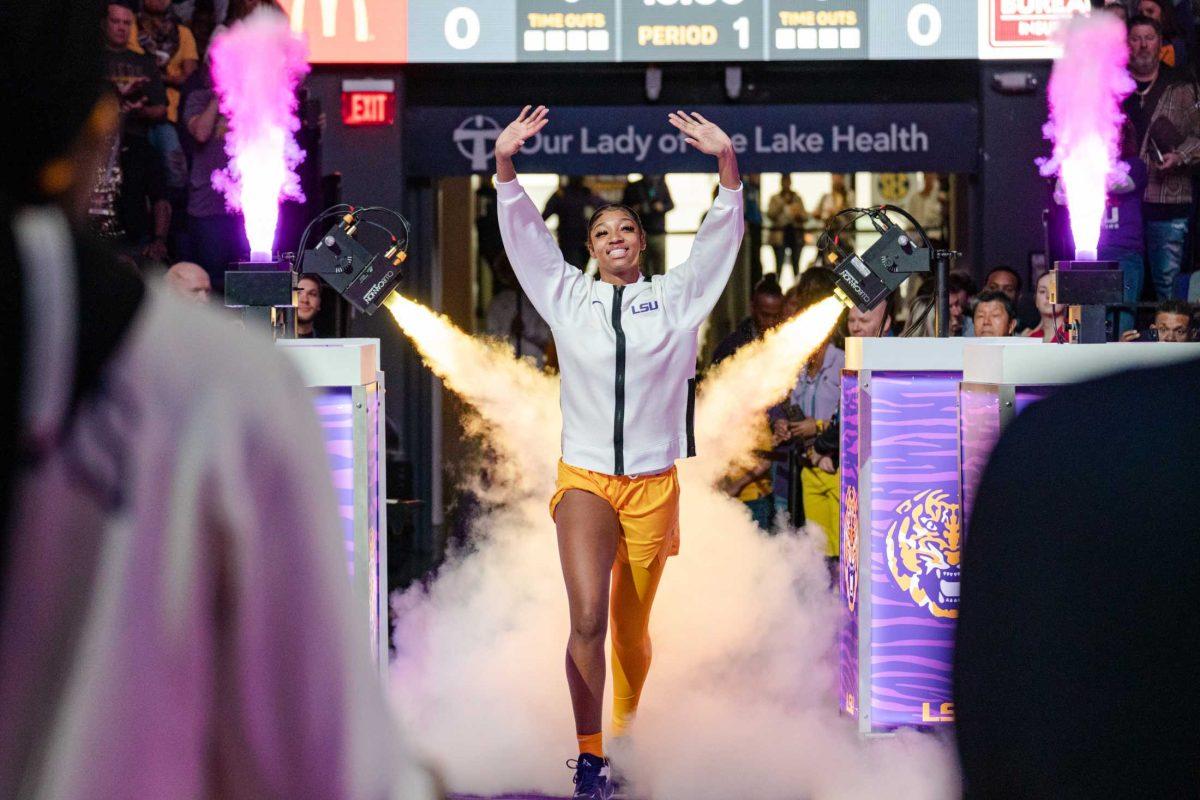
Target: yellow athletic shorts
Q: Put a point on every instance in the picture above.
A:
(647, 507)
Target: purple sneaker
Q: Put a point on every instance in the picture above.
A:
(591, 778)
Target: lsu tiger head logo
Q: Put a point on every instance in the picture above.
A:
(850, 546)
(924, 550)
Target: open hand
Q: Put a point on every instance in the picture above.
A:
(700, 133)
(526, 125)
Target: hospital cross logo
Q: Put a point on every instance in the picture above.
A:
(475, 137)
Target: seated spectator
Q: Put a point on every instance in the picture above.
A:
(994, 314)
(1052, 327)
(189, 280)
(159, 34)
(876, 322)
(1006, 279)
(142, 207)
(511, 316)
(766, 311)
(308, 305)
(962, 291)
(959, 290)
(1172, 323)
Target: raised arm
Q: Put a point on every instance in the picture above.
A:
(692, 288)
(513, 138)
(551, 284)
(708, 138)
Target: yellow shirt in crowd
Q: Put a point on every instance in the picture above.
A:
(187, 50)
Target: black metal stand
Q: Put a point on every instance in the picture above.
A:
(941, 303)
(795, 489)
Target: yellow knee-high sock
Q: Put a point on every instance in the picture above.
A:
(591, 743)
(633, 590)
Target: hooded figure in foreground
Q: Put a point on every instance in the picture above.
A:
(174, 610)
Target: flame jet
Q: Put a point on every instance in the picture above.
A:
(1086, 88)
(743, 628)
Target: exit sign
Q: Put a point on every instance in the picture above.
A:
(368, 102)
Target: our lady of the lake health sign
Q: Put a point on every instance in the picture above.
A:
(614, 139)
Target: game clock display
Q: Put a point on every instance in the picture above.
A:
(653, 31)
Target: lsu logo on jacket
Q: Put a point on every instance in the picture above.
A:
(646, 307)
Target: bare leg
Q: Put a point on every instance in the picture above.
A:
(588, 531)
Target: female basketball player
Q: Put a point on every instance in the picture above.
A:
(627, 353)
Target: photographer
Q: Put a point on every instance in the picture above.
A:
(1172, 323)
(805, 419)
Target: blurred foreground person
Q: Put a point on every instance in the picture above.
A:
(174, 610)
(1076, 660)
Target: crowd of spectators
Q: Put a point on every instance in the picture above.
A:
(1149, 225)
(154, 198)
(156, 189)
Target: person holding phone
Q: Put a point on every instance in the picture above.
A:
(1165, 117)
(1172, 323)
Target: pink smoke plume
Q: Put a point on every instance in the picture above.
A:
(1087, 85)
(256, 66)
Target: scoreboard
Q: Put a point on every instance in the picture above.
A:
(509, 31)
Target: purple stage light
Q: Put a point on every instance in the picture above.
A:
(256, 66)
(1087, 85)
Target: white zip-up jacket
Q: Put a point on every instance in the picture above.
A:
(627, 354)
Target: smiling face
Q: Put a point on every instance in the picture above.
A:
(616, 241)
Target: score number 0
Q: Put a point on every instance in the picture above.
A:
(462, 28)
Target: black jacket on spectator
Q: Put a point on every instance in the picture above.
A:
(1076, 662)
(745, 333)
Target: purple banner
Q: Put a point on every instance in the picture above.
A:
(377, 583)
(980, 427)
(1028, 395)
(848, 641)
(910, 423)
(335, 410)
(979, 430)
